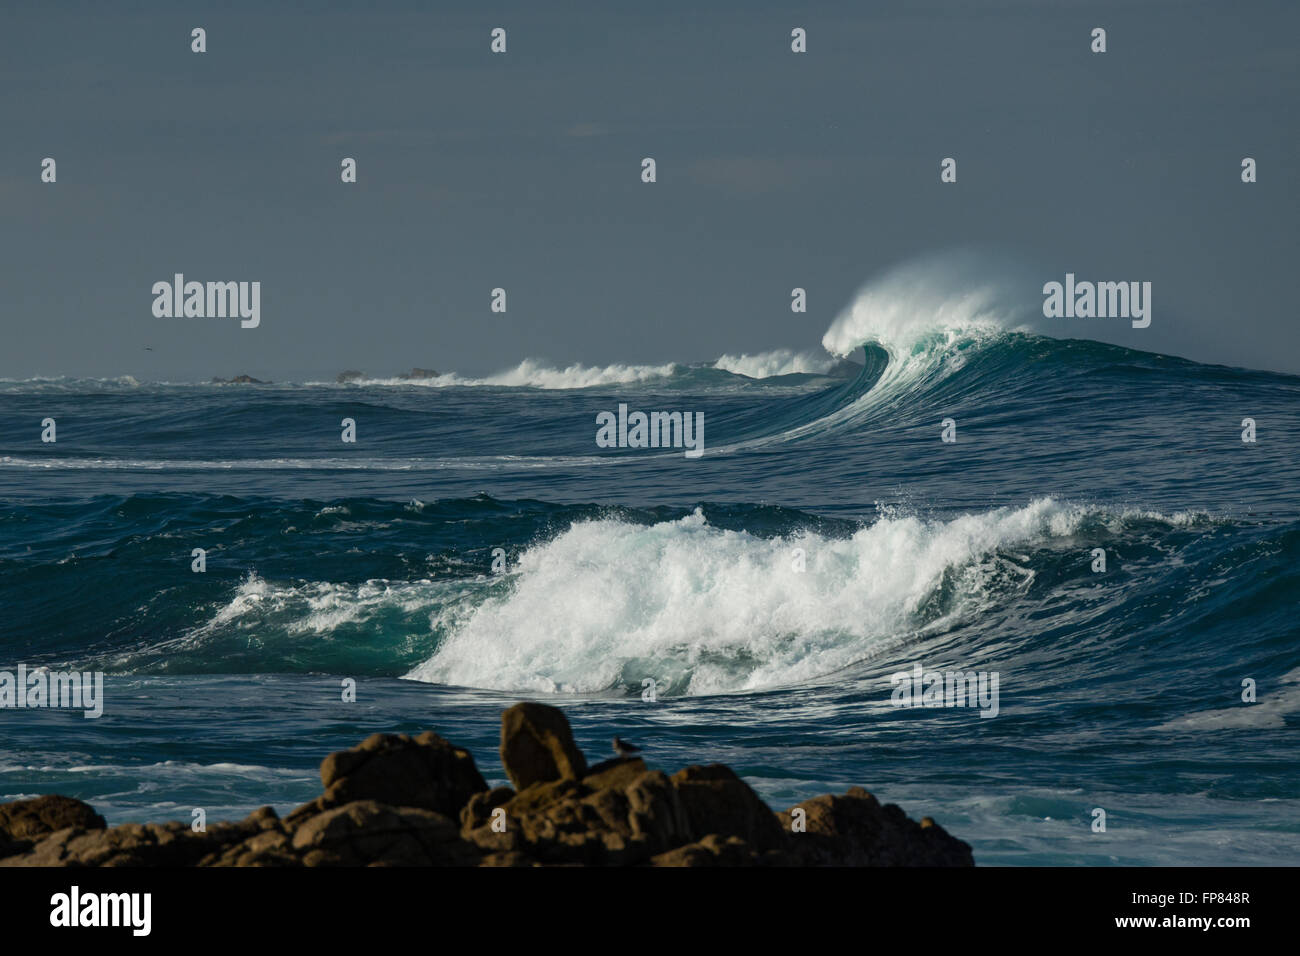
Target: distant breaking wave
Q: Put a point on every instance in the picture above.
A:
(774, 363)
(533, 374)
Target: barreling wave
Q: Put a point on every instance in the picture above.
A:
(919, 326)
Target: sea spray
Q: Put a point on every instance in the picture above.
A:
(704, 610)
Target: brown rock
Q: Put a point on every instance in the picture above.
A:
(618, 772)
(131, 844)
(537, 746)
(25, 819)
(856, 830)
(269, 848)
(478, 811)
(655, 813)
(559, 822)
(425, 772)
(370, 833)
(713, 850)
(715, 800)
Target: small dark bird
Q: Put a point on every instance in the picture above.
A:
(625, 749)
(148, 348)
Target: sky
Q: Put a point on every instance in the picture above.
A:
(522, 171)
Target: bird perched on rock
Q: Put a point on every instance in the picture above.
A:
(625, 749)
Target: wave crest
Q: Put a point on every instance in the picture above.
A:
(705, 610)
(775, 362)
(935, 300)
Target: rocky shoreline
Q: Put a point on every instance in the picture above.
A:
(396, 800)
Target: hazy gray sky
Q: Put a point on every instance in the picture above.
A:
(522, 171)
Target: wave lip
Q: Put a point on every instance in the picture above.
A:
(948, 295)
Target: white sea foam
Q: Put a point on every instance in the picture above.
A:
(776, 362)
(1268, 712)
(705, 610)
(912, 306)
(319, 607)
(533, 374)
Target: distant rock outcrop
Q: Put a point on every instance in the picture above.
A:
(239, 380)
(420, 801)
(351, 375)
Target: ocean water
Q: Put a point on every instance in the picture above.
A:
(1119, 690)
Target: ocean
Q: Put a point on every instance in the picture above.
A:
(476, 546)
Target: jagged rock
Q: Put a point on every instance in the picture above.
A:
(132, 844)
(537, 746)
(655, 812)
(370, 833)
(856, 830)
(266, 846)
(560, 821)
(239, 380)
(479, 809)
(617, 772)
(713, 850)
(401, 771)
(715, 800)
(25, 819)
(351, 375)
(623, 814)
